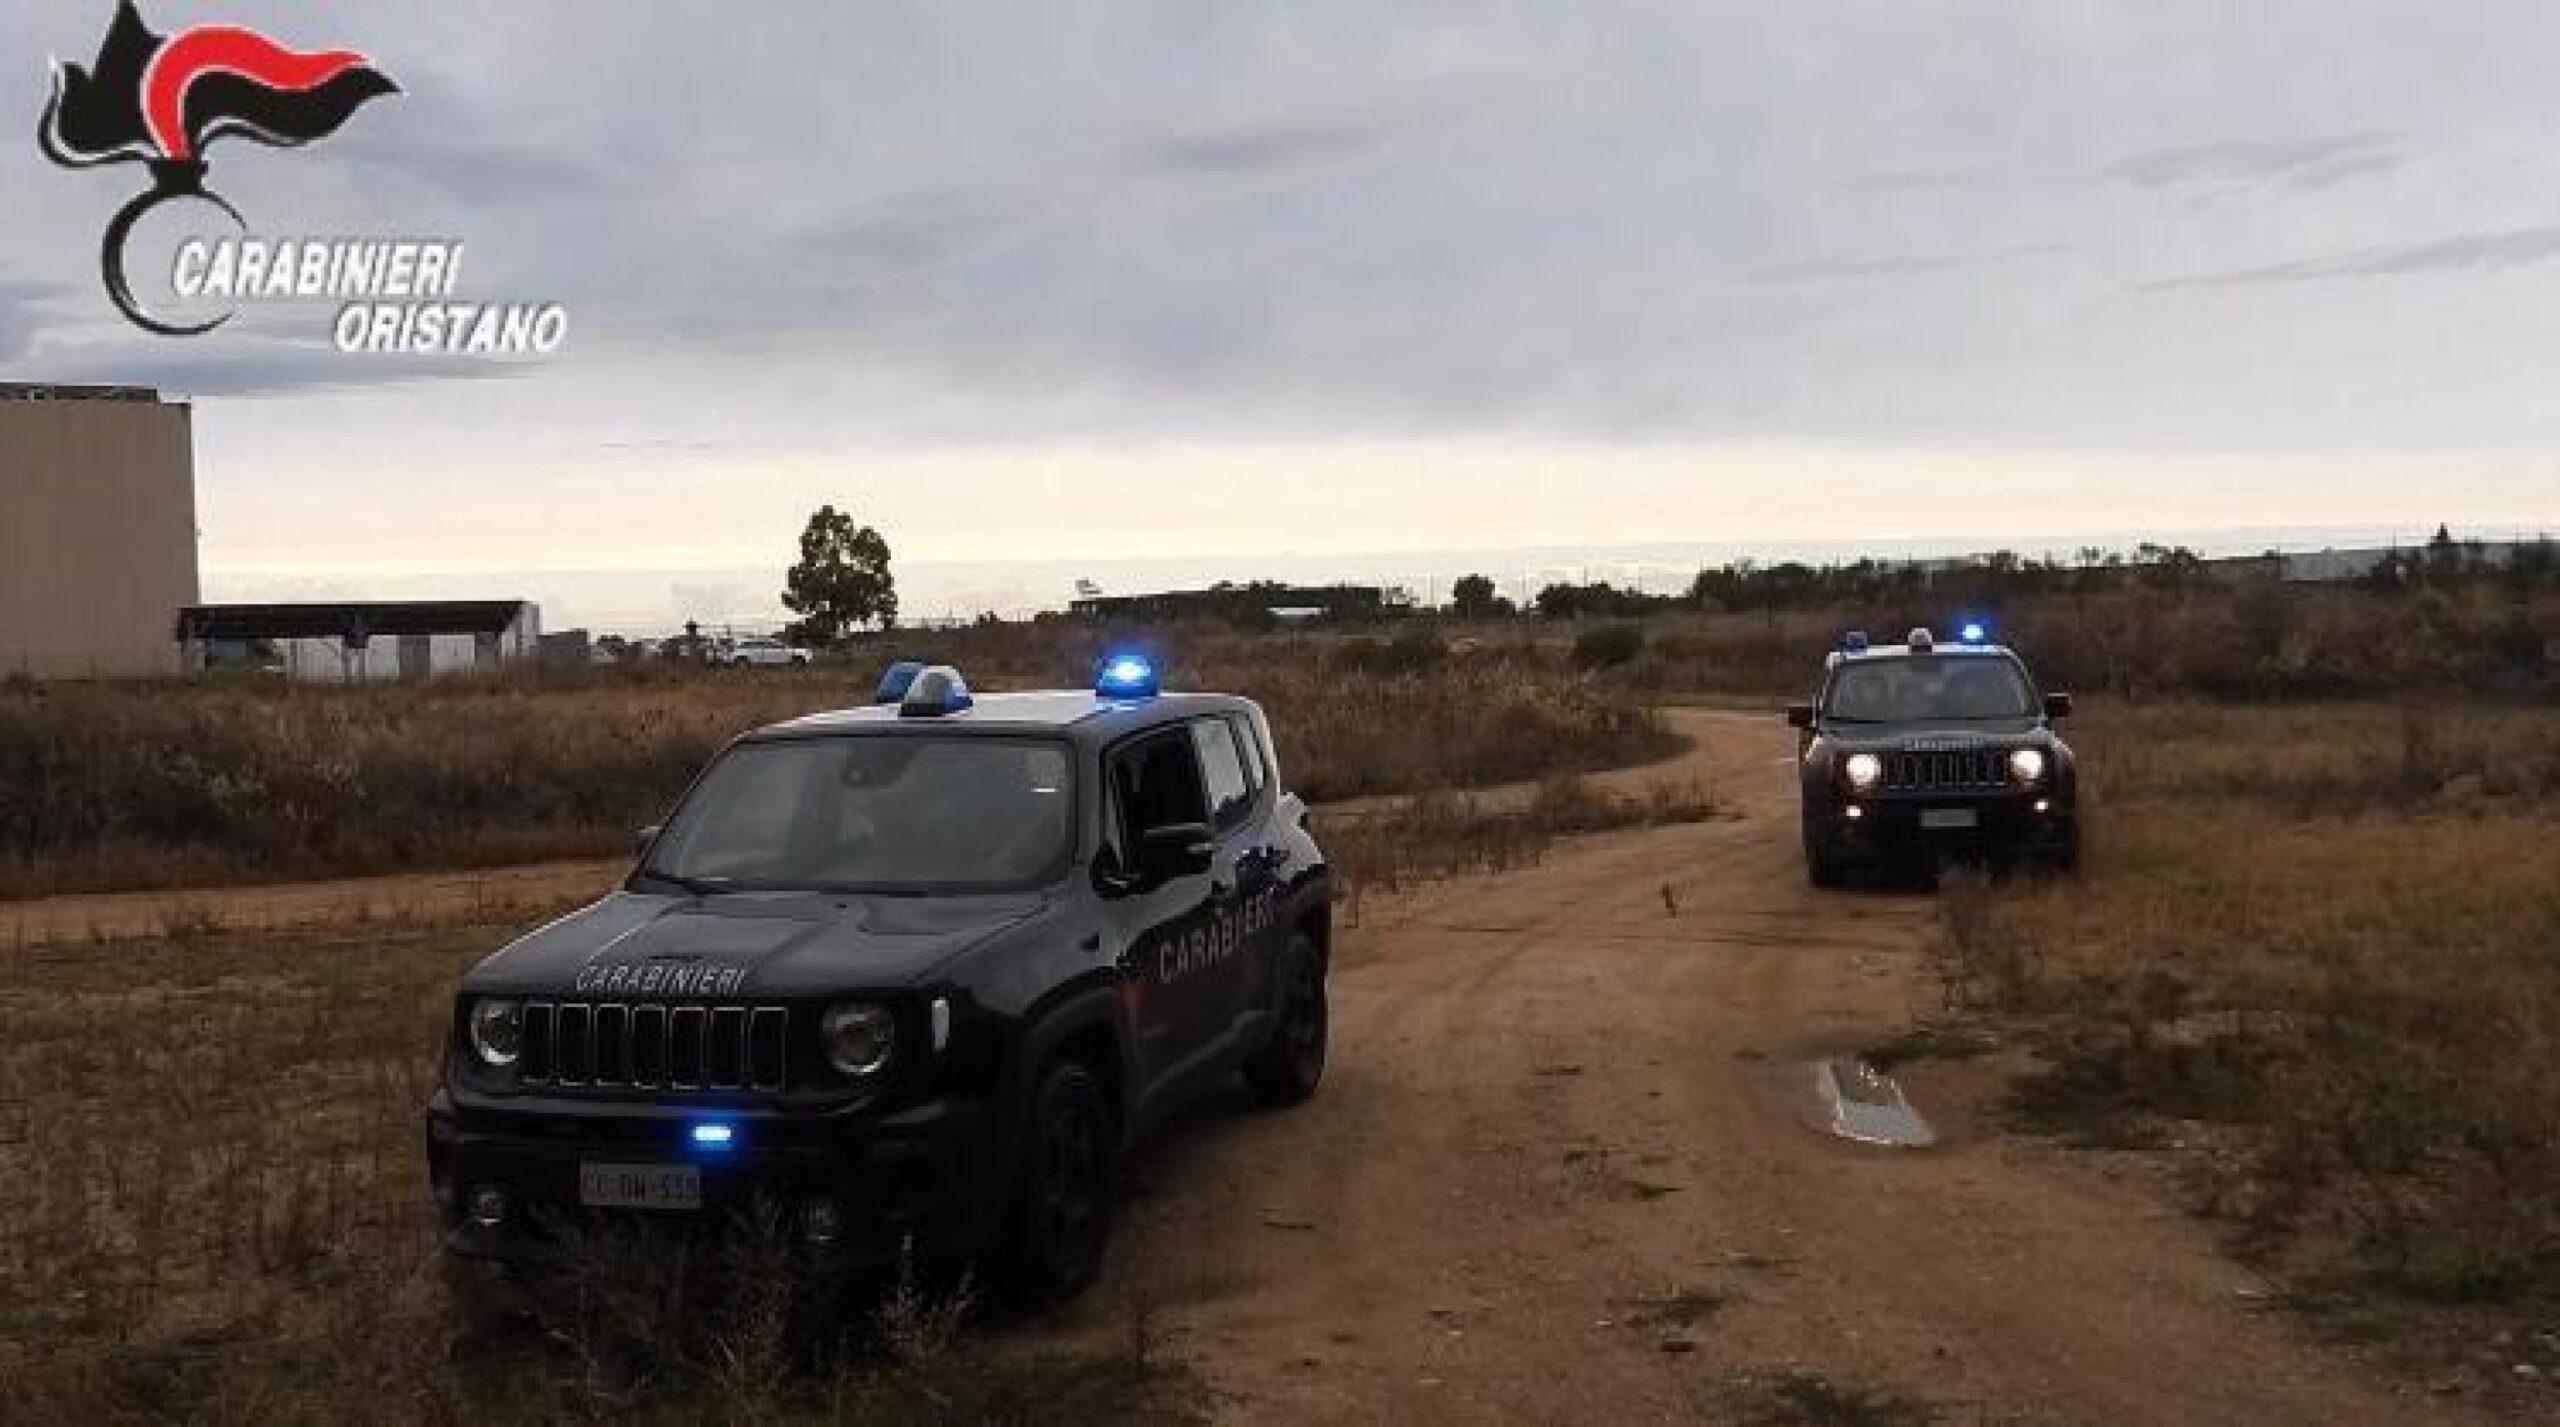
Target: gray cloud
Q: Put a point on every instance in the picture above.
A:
(258, 367)
(809, 229)
(2300, 164)
(1906, 265)
(27, 308)
(1254, 148)
(2467, 252)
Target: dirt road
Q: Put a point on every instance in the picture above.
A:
(1542, 1183)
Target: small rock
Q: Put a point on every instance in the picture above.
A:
(2528, 1371)
(1678, 1343)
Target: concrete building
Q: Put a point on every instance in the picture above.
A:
(353, 642)
(97, 530)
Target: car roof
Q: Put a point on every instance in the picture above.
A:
(1078, 712)
(1892, 651)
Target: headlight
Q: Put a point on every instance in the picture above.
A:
(2026, 764)
(858, 1038)
(1863, 770)
(497, 1031)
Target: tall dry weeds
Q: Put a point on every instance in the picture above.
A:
(2325, 942)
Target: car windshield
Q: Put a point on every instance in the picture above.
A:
(876, 813)
(1919, 688)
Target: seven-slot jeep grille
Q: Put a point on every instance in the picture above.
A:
(1929, 770)
(609, 1043)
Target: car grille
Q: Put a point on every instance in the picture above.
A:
(672, 1047)
(1930, 771)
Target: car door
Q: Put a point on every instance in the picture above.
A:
(1242, 870)
(1166, 924)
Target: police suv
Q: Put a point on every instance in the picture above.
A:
(1919, 750)
(907, 977)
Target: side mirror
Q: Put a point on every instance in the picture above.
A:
(1799, 715)
(1175, 850)
(2057, 706)
(640, 841)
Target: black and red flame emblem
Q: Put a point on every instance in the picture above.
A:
(160, 101)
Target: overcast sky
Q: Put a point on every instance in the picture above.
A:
(1072, 282)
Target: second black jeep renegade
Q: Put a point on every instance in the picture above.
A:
(1914, 751)
(904, 977)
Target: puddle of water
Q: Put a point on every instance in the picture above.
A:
(1843, 1095)
(1867, 1106)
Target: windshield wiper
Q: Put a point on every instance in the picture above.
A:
(697, 886)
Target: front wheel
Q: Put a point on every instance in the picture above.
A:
(1819, 867)
(1288, 1069)
(1063, 1201)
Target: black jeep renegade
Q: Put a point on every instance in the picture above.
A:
(1917, 751)
(903, 978)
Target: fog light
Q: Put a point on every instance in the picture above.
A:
(821, 1223)
(2044, 805)
(487, 1206)
(1856, 812)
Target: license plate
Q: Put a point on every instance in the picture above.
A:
(1946, 817)
(640, 1186)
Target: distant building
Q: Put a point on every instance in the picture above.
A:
(1257, 600)
(351, 643)
(97, 530)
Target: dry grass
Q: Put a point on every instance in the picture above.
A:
(106, 787)
(1438, 835)
(2319, 946)
(221, 1216)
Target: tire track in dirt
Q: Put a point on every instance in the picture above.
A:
(1540, 1158)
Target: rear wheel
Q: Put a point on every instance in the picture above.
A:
(1288, 1069)
(1063, 1200)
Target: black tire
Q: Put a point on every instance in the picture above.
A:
(1819, 868)
(742, 662)
(1288, 1069)
(1066, 1192)
(488, 1300)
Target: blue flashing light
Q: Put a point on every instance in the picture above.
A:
(1126, 676)
(894, 682)
(1854, 642)
(1973, 632)
(714, 1136)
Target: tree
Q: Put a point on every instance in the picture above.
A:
(1473, 597)
(842, 582)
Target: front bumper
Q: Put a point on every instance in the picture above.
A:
(929, 1175)
(1899, 825)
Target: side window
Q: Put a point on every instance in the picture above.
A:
(1230, 796)
(1157, 783)
(1254, 773)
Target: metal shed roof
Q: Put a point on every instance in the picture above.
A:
(355, 622)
